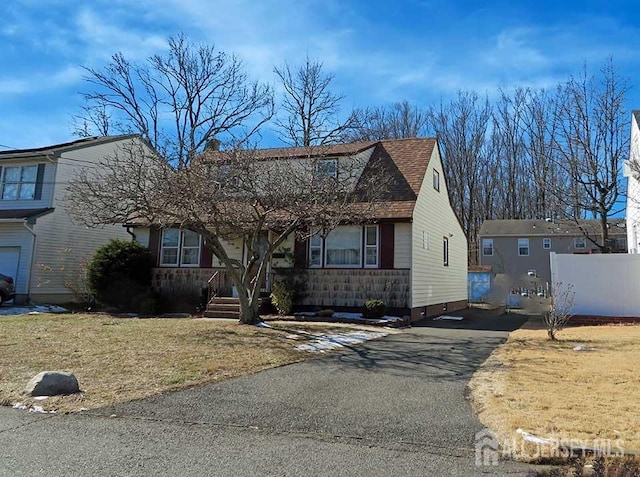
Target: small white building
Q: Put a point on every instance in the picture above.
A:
(40, 245)
(631, 170)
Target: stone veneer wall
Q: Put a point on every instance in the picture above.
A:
(352, 287)
(181, 279)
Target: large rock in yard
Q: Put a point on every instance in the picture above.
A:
(52, 383)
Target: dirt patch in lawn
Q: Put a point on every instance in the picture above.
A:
(550, 390)
(118, 359)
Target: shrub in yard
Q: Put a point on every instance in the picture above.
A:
(562, 302)
(119, 274)
(373, 309)
(282, 297)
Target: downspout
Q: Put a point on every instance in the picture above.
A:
(130, 232)
(33, 254)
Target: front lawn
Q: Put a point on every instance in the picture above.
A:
(119, 359)
(553, 391)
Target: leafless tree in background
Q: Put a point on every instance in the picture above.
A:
(310, 112)
(396, 121)
(546, 178)
(178, 101)
(462, 127)
(510, 135)
(592, 142)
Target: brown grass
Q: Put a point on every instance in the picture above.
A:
(117, 360)
(547, 389)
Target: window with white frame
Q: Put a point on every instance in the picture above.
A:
(19, 182)
(315, 250)
(445, 251)
(546, 243)
(190, 255)
(343, 247)
(436, 180)
(487, 247)
(371, 246)
(180, 248)
(327, 167)
(523, 247)
(580, 243)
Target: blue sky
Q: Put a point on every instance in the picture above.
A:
(380, 51)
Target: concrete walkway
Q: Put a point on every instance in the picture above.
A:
(396, 406)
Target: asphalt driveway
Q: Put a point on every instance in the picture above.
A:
(395, 406)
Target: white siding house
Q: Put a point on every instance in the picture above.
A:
(411, 253)
(40, 246)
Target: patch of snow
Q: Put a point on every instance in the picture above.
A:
(447, 317)
(262, 324)
(31, 310)
(535, 439)
(583, 348)
(40, 410)
(34, 409)
(40, 398)
(328, 342)
(292, 337)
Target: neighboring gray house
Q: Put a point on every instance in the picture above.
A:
(518, 250)
(40, 246)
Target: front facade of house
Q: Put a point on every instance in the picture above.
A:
(631, 170)
(40, 246)
(411, 254)
(518, 250)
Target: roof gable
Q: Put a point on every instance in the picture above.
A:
(57, 149)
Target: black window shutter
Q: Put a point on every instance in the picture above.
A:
(39, 180)
(300, 253)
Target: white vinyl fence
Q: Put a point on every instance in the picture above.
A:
(602, 284)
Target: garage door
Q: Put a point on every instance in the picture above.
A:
(9, 257)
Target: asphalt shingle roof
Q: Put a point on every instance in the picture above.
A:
(542, 227)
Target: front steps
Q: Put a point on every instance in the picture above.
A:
(223, 307)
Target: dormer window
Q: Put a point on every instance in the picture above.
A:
(327, 167)
(20, 182)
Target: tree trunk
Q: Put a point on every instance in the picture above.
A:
(248, 294)
(249, 314)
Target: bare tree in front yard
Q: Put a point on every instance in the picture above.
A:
(188, 103)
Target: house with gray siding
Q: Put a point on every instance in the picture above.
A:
(41, 247)
(412, 253)
(518, 250)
